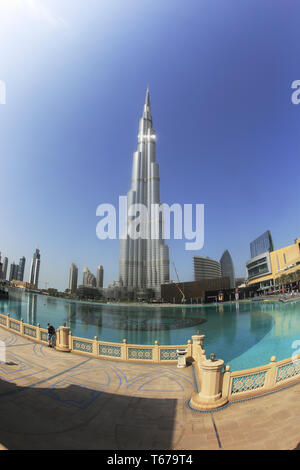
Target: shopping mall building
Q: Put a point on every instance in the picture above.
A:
(265, 270)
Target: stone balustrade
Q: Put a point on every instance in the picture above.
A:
(216, 384)
(66, 342)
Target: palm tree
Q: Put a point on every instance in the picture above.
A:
(297, 275)
(283, 280)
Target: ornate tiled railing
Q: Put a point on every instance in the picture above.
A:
(82, 346)
(248, 382)
(44, 336)
(168, 354)
(110, 350)
(233, 385)
(287, 371)
(30, 331)
(260, 380)
(118, 351)
(141, 353)
(14, 325)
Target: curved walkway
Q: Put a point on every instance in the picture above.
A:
(53, 400)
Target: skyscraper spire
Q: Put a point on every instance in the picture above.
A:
(147, 102)
(147, 106)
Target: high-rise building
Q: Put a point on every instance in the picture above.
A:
(144, 262)
(73, 278)
(262, 244)
(4, 268)
(88, 278)
(100, 276)
(35, 269)
(206, 268)
(21, 269)
(227, 268)
(13, 274)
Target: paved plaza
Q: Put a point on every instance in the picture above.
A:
(54, 400)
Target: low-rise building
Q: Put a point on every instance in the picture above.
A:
(22, 285)
(266, 269)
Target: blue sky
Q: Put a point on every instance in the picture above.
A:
(76, 73)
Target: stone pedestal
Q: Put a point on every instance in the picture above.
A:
(210, 396)
(181, 355)
(62, 339)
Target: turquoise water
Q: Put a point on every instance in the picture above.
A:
(244, 334)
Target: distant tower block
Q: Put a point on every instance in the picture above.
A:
(35, 269)
(227, 268)
(100, 276)
(73, 278)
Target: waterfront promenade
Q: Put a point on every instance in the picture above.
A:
(54, 400)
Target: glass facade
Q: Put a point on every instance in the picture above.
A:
(258, 266)
(261, 244)
(227, 267)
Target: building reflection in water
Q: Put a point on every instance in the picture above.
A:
(71, 307)
(136, 326)
(18, 310)
(32, 309)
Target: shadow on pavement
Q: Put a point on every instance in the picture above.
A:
(75, 417)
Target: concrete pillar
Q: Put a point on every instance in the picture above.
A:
(155, 352)
(62, 339)
(38, 332)
(124, 350)
(22, 326)
(95, 346)
(210, 395)
(270, 381)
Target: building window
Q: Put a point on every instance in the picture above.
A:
(284, 258)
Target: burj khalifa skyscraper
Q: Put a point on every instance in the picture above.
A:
(144, 262)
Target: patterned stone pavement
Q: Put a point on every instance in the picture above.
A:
(54, 400)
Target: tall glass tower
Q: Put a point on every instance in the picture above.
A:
(144, 262)
(73, 280)
(227, 268)
(21, 269)
(262, 244)
(35, 269)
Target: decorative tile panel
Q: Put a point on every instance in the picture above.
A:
(83, 346)
(288, 370)
(248, 382)
(168, 355)
(14, 325)
(30, 331)
(44, 336)
(112, 351)
(140, 353)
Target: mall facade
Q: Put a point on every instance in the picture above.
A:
(265, 270)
